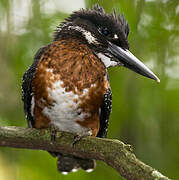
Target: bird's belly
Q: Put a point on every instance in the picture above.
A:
(64, 112)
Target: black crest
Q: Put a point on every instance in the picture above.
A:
(119, 19)
(96, 19)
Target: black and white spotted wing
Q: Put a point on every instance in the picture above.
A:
(27, 87)
(105, 114)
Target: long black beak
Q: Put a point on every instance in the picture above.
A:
(130, 61)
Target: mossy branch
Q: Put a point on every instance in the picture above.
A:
(113, 152)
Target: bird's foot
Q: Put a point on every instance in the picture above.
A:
(53, 132)
(78, 137)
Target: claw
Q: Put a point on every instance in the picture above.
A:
(77, 138)
(53, 132)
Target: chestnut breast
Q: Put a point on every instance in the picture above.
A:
(68, 88)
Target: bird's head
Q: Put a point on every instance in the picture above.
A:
(106, 34)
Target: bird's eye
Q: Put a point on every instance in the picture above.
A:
(105, 32)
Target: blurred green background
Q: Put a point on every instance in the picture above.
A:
(145, 114)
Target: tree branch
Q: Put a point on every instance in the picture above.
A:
(113, 152)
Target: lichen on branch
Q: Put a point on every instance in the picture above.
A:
(113, 152)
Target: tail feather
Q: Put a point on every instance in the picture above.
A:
(67, 163)
(86, 164)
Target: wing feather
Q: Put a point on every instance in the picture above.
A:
(105, 114)
(27, 93)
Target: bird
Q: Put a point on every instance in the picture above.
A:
(67, 86)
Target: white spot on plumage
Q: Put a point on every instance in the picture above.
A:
(99, 110)
(74, 170)
(106, 60)
(64, 112)
(64, 173)
(32, 106)
(49, 70)
(76, 96)
(88, 35)
(85, 91)
(116, 36)
(89, 170)
(93, 85)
